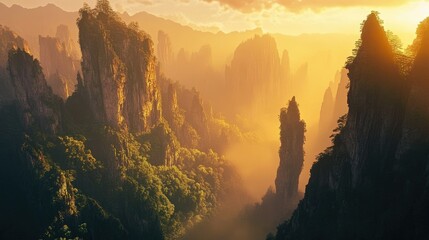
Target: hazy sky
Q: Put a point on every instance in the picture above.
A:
(283, 16)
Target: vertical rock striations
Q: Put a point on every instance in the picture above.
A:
(254, 76)
(8, 40)
(165, 53)
(119, 71)
(60, 60)
(372, 183)
(38, 106)
(58, 65)
(340, 105)
(291, 153)
(326, 111)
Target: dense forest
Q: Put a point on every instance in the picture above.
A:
(108, 131)
(112, 161)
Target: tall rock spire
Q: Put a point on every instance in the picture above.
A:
(119, 70)
(291, 152)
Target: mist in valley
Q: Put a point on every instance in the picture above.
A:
(130, 126)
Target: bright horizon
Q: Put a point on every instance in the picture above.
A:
(400, 16)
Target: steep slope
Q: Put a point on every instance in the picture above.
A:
(291, 153)
(35, 100)
(253, 78)
(372, 183)
(119, 71)
(68, 174)
(326, 112)
(59, 59)
(8, 40)
(340, 105)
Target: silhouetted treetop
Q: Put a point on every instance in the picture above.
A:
(103, 6)
(292, 114)
(375, 41)
(422, 32)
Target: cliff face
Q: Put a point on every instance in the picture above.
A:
(23, 85)
(37, 105)
(254, 76)
(165, 53)
(8, 40)
(291, 153)
(64, 35)
(340, 105)
(184, 111)
(119, 71)
(372, 183)
(326, 111)
(58, 65)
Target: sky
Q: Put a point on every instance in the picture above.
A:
(290, 17)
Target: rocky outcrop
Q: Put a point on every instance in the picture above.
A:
(60, 61)
(63, 34)
(253, 78)
(165, 54)
(23, 85)
(372, 183)
(184, 111)
(8, 41)
(119, 71)
(326, 111)
(291, 153)
(37, 105)
(340, 105)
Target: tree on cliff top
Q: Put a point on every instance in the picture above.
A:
(291, 151)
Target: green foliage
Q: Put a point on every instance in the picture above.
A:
(77, 157)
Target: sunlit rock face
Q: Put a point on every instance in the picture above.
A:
(118, 66)
(254, 76)
(340, 95)
(23, 85)
(59, 58)
(37, 105)
(8, 41)
(372, 183)
(165, 53)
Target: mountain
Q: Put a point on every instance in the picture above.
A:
(61, 65)
(372, 183)
(253, 78)
(101, 165)
(45, 21)
(119, 73)
(8, 40)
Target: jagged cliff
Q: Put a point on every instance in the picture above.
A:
(60, 62)
(165, 53)
(326, 122)
(64, 35)
(253, 78)
(372, 183)
(8, 40)
(340, 105)
(291, 153)
(24, 86)
(36, 103)
(119, 71)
